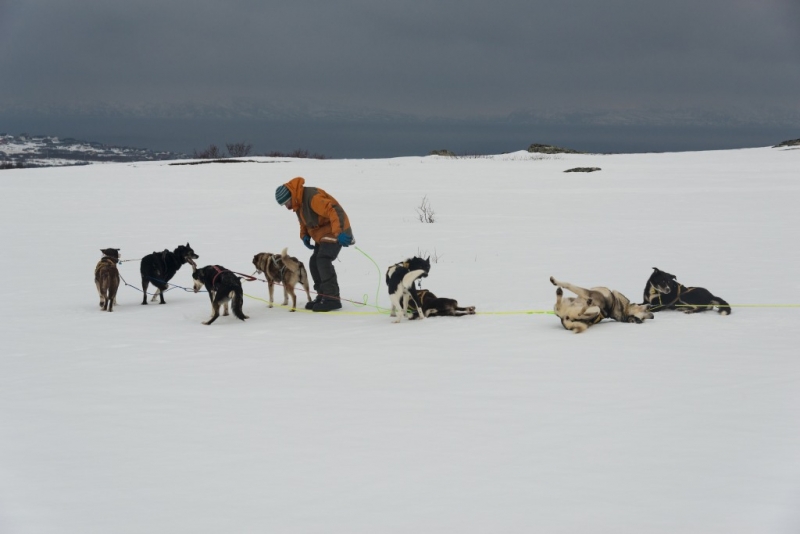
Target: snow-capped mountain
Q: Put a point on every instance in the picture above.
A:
(46, 151)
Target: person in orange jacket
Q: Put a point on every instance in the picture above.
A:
(322, 219)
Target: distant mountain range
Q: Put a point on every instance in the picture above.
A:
(23, 151)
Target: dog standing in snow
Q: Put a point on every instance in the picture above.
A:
(285, 270)
(222, 286)
(106, 278)
(400, 279)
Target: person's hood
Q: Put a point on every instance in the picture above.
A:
(295, 187)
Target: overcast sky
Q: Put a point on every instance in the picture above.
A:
(677, 61)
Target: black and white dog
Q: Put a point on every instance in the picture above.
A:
(439, 306)
(664, 292)
(222, 286)
(400, 279)
(158, 268)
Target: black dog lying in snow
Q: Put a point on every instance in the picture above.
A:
(160, 267)
(433, 305)
(663, 291)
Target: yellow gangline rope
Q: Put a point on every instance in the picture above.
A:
(382, 311)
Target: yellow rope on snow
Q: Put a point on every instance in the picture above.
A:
(522, 312)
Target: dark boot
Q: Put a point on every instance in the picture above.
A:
(326, 305)
(310, 304)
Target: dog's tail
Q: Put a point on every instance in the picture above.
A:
(291, 263)
(722, 307)
(237, 300)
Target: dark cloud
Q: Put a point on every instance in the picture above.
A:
(444, 58)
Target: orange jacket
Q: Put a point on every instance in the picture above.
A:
(319, 214)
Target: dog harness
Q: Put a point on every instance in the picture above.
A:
(107, 260)
(281, 266)
(679, 290)
(219, 270)
(422, 294)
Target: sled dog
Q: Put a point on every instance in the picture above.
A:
(664, 292)
(285, 270)
(158, 268)
(106, 278)
(400, 279)
(222, 286)
(593, 305)
(433, 305)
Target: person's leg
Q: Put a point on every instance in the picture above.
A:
(328, 282)
(313, 268)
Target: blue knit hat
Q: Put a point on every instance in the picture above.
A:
(282, 195)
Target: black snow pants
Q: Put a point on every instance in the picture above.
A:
(322, 272)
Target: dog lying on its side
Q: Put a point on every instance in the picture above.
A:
(400, 279)
(663, 291)
(593, 305)
(433, 305)
(285, 270)
(222, 286)
(106, 278)
(160, 267)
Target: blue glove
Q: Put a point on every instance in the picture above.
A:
(307, 242)
(344, 240)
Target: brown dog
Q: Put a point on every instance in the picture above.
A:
(106, 278)
(593, 305)
(285, 270)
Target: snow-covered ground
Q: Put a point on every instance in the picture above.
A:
(145, 420)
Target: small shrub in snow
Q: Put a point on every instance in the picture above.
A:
(425, 211)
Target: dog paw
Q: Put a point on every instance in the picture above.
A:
(553, 281)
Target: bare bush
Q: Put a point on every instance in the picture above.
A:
(239, 150)
(435, 257)
(425, 212)
(212, 152)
